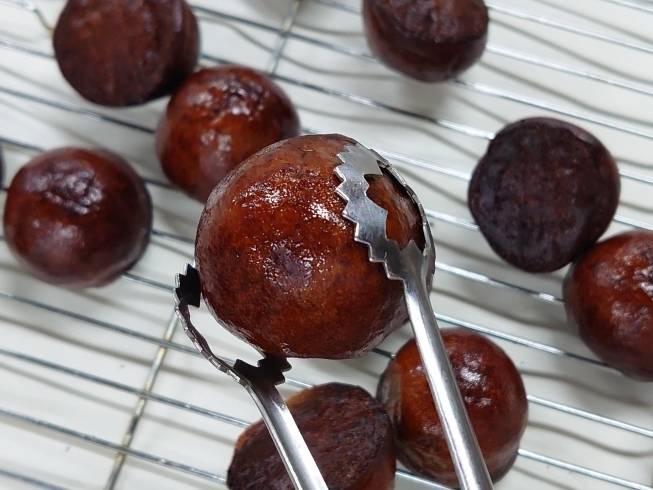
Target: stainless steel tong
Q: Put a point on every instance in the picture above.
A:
(411, 267)
(260, 382)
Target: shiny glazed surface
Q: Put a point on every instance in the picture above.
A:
(218, 118)
(77, 218)
(608, 296)
(429, 40)
(278, 263)
(347, 432)
(493, 392)
(126, 52)
(543, 193)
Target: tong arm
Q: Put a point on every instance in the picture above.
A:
(260, 382)
(411, 267)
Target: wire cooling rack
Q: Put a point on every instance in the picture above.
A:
(101, 389)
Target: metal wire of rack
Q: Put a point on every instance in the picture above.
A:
(92, 413)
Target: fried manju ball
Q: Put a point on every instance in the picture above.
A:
(428, 40)
(543, 193)
(126, 52)
(347, 432)
(608, 296)
(278, 263)
(77, 218)
(218, 118)
(494, 396)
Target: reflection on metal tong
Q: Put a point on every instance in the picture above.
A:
(412, 266)
(260, 382)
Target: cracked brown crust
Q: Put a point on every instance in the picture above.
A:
(494, 396)
(429, 40)
(608, 296)
(278, 263)
(347, 432)
(77, 218)
(218, 118)
(543, 193)
(126, 52)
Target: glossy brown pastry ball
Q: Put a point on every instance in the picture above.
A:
(77, 218)
(126, 52)
(278, 263)
(347, 432)
(218, 118)
(608, 296)
(493, 392)
(544, 192)
(429, 40)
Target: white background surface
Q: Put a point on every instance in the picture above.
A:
(205, 443)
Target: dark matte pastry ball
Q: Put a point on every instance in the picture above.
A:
(544, 193)
(429, 40)
(126, 52)
(609, 297)
(77, 218)
(218, 118)
(347, 432)
(278, 263)
(494, 397)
